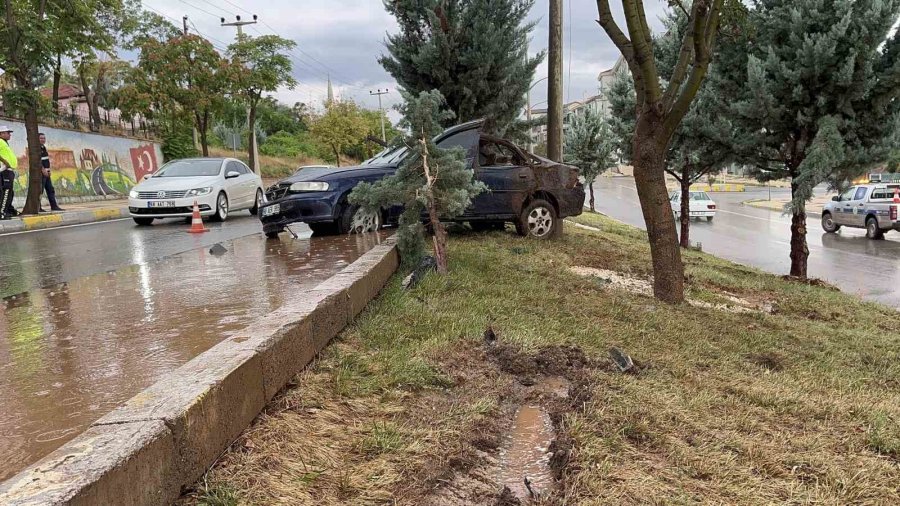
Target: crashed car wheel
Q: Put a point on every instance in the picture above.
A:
(538, 220)
(354, 220)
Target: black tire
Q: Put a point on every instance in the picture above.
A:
(538, 220)
(143, 222)
(221, 213)
(320, 229)
(709, 218)
(255, 209)
(828, 224)
(487, 226)
(345, 223)
(273, 234)
(872, 230)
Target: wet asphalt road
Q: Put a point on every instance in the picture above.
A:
(761, 238)
(91, 315)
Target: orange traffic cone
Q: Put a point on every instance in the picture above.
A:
(197, 222)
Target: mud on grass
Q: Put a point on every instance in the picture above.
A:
(800, 405)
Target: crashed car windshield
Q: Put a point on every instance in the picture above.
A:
(390, 156)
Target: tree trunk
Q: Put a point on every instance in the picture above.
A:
(591, 191)
(251, 144)
(799, 250)
(57, 77)
(337, 155)
(685, 210)
(93, 121)
(35, 183)
(202, 127)
(650, 143)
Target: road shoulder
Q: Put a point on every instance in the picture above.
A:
(73, 215)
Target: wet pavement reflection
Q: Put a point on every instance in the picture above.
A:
(72, 351)
(761, 238)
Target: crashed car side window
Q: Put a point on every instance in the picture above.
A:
(467, 139)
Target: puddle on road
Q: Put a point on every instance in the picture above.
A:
(70, 353)
(526, 453)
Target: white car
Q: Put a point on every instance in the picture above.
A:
(218, 185)
(701, 206)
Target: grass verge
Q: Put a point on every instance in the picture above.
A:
(796, 404)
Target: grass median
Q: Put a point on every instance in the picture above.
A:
(759, 390)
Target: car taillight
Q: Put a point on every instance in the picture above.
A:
(894, 213)
(711, 206)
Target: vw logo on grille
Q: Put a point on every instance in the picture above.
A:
(161, 195)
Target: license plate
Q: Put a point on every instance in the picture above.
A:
(270, 210)
(162, 203)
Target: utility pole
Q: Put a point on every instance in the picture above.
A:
(194, 134)
(237, 23)
(380, 93)
(528, 119)
(554, 84)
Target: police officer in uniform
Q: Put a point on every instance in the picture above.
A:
(46, 182)
(8, 164)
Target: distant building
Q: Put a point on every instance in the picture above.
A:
(598, 103)
(72, 102)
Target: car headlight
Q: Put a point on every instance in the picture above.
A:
(198, 191)
(133, 194)
(309, 186)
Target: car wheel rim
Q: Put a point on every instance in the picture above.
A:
(223, 206)
(540, 221)
(363, 222)
(829, 222)
(258, 199)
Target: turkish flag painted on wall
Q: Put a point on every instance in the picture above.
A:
(143, 159)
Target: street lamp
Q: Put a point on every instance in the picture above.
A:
(528, 112)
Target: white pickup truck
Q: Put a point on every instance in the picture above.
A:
(869, 206)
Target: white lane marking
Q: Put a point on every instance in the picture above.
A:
(49, 229)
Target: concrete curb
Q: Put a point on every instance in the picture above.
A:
(162, 440)
(42, 221)
(763, 204)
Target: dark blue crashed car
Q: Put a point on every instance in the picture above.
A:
(531, 192)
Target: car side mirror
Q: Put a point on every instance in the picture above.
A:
(147, 176)
(836, 198)
(231, 174)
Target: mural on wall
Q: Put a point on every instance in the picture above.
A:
(86, 164)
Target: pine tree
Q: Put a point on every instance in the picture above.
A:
(431, 181)
(590, 147)
(475, 52)
(812, 95)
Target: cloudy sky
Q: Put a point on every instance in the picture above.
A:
(344, 38)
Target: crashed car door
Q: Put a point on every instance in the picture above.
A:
(508, 178)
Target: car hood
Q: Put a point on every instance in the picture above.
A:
(175, 183)
(335, 173)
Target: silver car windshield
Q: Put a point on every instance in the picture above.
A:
(190, 168)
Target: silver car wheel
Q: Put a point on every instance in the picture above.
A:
(363, 222)
(222, 204)
(540, 222)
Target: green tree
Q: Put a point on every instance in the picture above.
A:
(431, 181)
(701, 144)
(31, 35)
(659, 109)
(812, 95)
(590, 147)
(191, 75)
(340, 127)
(261, 66)
(475, 52)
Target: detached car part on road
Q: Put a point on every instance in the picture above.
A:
(868, 206)
(532, 192)
(220, 186)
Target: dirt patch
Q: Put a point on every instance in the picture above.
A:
(769, 361)
(526, 463)
(616, 280)
(811, 282)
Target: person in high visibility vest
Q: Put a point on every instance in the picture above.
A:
(8, 164)
(46, 182)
